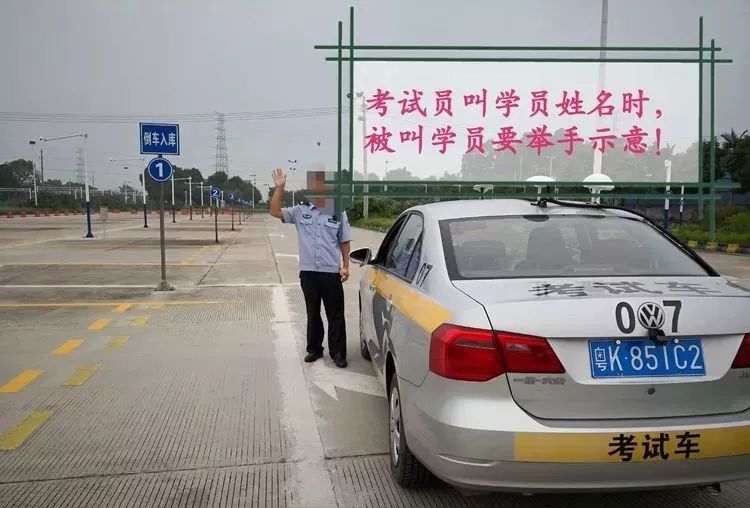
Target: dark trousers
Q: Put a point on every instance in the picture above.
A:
(325, 287)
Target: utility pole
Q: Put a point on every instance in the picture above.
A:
(597, 169)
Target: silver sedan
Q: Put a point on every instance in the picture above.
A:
(548, 346)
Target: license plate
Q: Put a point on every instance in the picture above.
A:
(644, 358)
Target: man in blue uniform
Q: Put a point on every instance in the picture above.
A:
(324, 246)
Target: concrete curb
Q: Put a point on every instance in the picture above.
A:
(729, 248)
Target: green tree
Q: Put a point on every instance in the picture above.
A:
(17, 173)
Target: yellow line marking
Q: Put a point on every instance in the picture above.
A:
(116, 342)
(185, 262)
(82, 375)
(141, 320)
(123, 307)
(99, 324)
(100, 304)
(156, 306)
(110, 264)
(67, 347)
(22, 430)
(19, 382)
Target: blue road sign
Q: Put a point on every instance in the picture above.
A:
(160, 169)
(231, 197)
(215, 192)
(160, 138)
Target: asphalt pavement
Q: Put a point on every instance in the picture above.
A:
(112, 394)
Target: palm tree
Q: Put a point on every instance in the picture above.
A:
(731, 139)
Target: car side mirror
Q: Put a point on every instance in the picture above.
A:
(361, 256)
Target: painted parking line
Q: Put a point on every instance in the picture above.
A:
(22, 430)
(116, 342)
(141, 320)
(67, 347)
(99, 324)
(82, 374)
(21, 381)
(123, 307)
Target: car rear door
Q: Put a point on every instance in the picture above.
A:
(393, 291)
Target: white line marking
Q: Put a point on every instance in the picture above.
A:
(312, 483)
(277, 234)
(329, 378)
(295, 256)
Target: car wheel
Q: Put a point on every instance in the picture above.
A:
(405, 468)
(362, 339)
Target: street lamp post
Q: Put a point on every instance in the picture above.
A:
(202, 213)
(83, 136)
(33, 176)
(292, 168)
(190, 194)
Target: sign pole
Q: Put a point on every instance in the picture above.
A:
(239, 215)
(163, 285)
(190, 195)
(216, 220)
(231, 212)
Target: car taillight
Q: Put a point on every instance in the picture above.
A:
(522, 353)
(469, 354)
(742, 360)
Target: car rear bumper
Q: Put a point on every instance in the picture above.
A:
(473, 437)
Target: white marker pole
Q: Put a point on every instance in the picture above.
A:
(668, 166)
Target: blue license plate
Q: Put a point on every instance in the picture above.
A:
(644, 358)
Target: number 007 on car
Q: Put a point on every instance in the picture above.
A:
(645, 358)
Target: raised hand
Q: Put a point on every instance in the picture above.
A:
(279, 178)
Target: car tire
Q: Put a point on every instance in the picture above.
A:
(406, 469)
(362, 339)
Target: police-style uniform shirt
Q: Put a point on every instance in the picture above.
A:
(320, 236)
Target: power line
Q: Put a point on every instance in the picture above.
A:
(113, 118)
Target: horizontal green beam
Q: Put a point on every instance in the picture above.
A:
(514, 183)
(520, 59)
(369, 47)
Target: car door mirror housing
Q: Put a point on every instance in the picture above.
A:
(361, 256)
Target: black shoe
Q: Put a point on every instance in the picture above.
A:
(340, 362)
(311, 357)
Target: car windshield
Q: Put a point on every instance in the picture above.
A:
(560, 246)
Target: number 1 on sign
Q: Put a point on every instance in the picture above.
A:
(160, 167)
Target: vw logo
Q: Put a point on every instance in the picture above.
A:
(651, 315)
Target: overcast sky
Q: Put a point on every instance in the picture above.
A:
(162, 57)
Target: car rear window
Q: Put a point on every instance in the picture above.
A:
(560, 246)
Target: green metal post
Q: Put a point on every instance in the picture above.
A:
(337, 199)
(351, 106)
(700, 115)
(712, 157)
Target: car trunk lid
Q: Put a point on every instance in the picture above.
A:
(571, 312)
